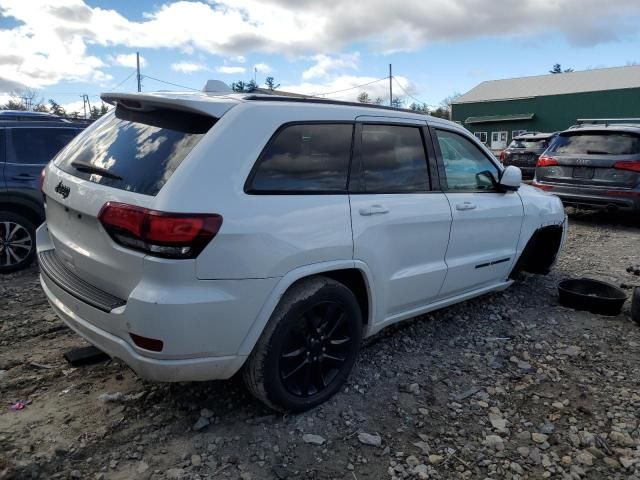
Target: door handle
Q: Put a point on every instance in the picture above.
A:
(465, 206)
(373, 210)
(23, 176)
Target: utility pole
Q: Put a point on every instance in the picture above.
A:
(84, 105)
(255, 74)
(390, 87)
(138, 70)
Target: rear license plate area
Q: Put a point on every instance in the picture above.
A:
(583, 172)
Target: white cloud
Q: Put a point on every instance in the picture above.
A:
(239, 59)
(326, 64)
(127, 60)
(53, 38)
(262, 68)
(230, 70)
(348, 87)
(188, 67)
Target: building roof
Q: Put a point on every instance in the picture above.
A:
(554, 84)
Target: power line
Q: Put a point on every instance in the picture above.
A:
(407, 93)
(123, 81)
(169, 83)
(352, 88)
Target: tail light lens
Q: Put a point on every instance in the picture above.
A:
(502, 155)
(634, 166)
(546, 161)
(162, 234)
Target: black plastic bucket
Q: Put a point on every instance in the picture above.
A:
(591, 295)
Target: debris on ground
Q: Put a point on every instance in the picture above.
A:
(509, 385)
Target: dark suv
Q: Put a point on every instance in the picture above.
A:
(25, 148)
(594, 166)
(524, 150)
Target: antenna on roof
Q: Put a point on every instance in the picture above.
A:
(216, 86)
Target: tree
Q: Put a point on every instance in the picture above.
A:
(557, 68)
(103, 109)
(364, 97)
(56, 109)
(378, 101)
(270, 83)
(397, 102)
(419, 108)
(441, 112)
(244, 87)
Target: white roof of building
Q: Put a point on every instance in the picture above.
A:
(554, 84)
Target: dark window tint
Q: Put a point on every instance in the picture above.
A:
(530, 144)
(393, 159)
(305, 158)
(464, 163)
(37, 145)
(139, 150)
(605, 143)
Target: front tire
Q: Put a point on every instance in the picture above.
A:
(308, 347)
(17, 242)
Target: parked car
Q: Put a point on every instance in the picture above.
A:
(594, 166)
(25, 147)
(195, 235)
(524, 151)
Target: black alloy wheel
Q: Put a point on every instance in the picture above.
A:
(307, 348)
(315, 350)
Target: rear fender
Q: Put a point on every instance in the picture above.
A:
(298, 274)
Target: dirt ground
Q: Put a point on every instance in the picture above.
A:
(509, 385)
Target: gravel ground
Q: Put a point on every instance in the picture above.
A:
(509, 385)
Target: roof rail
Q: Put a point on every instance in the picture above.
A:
(327, 101)
(606, 121)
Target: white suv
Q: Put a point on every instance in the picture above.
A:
(192, 235)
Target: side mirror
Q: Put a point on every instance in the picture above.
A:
(510, 179)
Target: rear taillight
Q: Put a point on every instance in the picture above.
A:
(43, 174)
(502, 155)
(545, 161)
(634, 166)
(162, 234)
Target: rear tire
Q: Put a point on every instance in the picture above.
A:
(635, 305)
(17, 242)
(308, 347)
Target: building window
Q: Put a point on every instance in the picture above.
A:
(482, 136)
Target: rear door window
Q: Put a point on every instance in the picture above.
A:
(139, 151)
(36, 146)
(590, 143)
(306, 158)
(393, 159)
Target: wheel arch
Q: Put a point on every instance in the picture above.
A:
(35, 214)
(541, 251)
(355, 275)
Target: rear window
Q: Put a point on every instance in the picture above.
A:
(137, 151)
(36, 146)
(613, 143)
(530, 144)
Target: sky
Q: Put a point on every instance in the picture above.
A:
(66, 48)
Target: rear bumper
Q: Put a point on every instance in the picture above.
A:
(182, 370)
(202, 323)
(623, 200)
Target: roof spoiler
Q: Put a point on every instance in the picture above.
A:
(147, 102)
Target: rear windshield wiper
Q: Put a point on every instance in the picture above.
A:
(90, 168)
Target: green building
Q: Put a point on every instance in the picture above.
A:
(497, 110)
